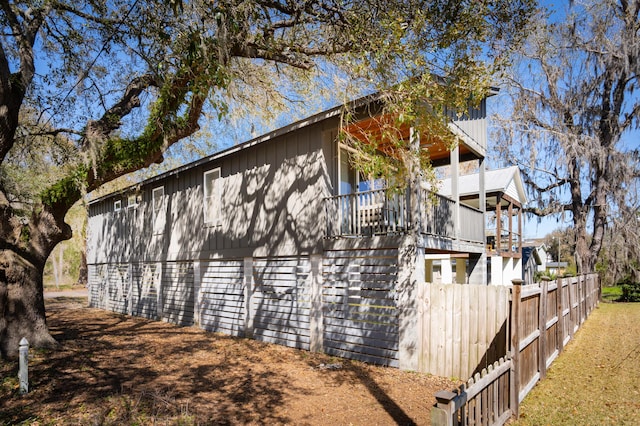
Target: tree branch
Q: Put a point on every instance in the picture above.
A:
(110, 120)
(25, 35)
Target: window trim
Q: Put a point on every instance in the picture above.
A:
(215, 220)
(117, 205)
(133, 204)
(155, 211)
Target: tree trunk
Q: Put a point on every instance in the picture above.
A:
(83, 274)
(57, 267)
(22, 312)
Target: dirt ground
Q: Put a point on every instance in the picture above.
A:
(116, 369)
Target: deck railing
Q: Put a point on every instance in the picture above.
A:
(382, 212)
(471, 224)
(437, 215)
(375, 212)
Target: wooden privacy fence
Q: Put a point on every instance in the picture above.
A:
(542, 320)
(463, 327)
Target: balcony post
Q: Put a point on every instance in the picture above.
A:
(455, 190)
(414, 190)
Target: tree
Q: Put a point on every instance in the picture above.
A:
(560, 245)
(619, 259)
(574, 98)
(114, 84)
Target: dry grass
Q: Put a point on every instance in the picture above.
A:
(596, 380)
(114, 369)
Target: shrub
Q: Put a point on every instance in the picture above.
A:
(630, 290)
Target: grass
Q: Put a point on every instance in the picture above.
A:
(611, 294)
(596, 380)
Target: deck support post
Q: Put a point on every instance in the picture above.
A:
(316, 328)
(197, 295)
(411, 282)
(249, 284)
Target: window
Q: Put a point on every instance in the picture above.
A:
(132, 201)
(159, 210)
(351, 181)
(117, 205)
(212, 199)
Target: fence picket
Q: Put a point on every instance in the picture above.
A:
(493, 396)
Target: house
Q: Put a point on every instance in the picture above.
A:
(531, 260)
(280, 239)
(534, 260)
(505, 196)
(556, 268)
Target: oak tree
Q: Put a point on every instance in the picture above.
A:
(574, 102)
(114, 83)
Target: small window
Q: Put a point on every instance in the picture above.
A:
(132, 201)
(212, 197)
(159, 210)
(117, 205)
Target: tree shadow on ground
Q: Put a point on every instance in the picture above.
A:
(354, 372)
(117, 364)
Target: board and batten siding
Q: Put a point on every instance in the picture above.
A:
(270, 204)
(359, 305)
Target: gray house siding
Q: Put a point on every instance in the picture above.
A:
(145, 290)
(281, 302)
(178, 301)
(264, 269)
(169, 264)
(360, 313)
(271, 205)
(222, 297)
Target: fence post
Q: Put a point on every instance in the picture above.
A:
(583, 302)
(560, 313)
(23, 372)
(516, 301)
(542, 340)
(572, 314)
(442, 413)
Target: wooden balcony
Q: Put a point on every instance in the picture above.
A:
(367, 213)
(382, 212)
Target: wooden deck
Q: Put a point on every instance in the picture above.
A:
(387, 212)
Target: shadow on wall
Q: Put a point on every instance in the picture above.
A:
(276, 211)
(266, 210)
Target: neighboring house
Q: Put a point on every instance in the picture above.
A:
(534, 261)
(504, 199)
(556, 268)
(530, 262)
(280, 239)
